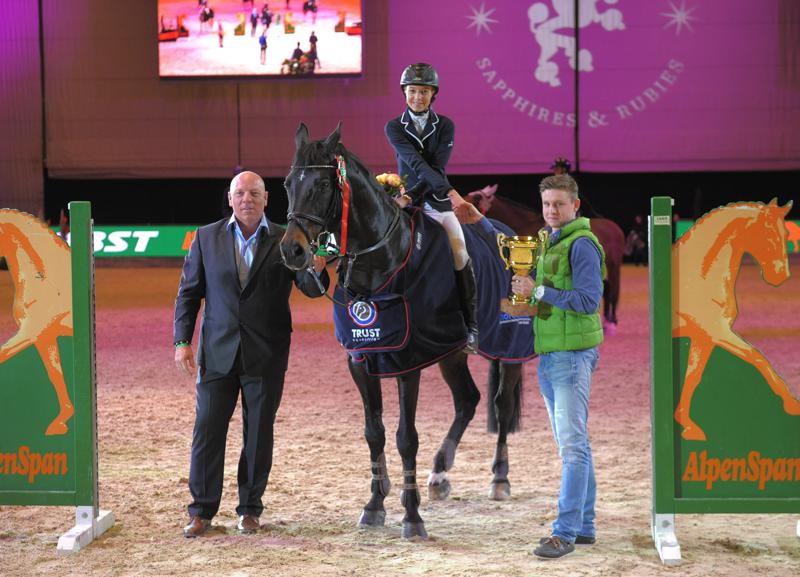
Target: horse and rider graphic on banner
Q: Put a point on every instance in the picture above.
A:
(39, 263)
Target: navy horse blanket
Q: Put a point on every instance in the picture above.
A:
(415, 319)
(412, 321)
(501, 336)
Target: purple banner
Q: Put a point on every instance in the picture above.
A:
(662, 85)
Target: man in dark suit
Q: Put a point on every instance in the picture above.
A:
(235, 266)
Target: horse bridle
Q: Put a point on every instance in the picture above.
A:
(344, 190)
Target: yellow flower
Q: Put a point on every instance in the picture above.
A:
(391, 182)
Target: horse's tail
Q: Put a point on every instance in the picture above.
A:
(494, 388)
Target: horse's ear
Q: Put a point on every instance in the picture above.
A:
(333, 138)
(301, 136)
(787, 207)
(492, 189)
(773, 202)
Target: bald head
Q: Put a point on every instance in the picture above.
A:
(247, 197)
(246, 178)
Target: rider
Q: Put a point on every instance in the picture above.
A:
(423, 141)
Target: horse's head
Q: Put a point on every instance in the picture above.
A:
(482, 198)
(315, 196)
(767, 240)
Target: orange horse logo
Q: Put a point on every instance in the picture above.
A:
(707, 260)
(40, 265)
(794, 235)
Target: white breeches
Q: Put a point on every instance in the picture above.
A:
(454, 233)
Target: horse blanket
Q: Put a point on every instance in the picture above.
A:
(412, 321)
(501, 336)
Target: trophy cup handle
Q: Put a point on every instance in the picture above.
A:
(501, 237)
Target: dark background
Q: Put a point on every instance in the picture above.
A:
(615, 196)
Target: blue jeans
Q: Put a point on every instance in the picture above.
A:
(564, 380)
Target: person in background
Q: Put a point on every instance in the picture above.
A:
(234, 268)
(298, 52)
(253, 22)
(262, 42)
(561, 166)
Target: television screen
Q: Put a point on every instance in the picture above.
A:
(206, 38)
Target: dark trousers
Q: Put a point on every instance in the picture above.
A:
(216, 397)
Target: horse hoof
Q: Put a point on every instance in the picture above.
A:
(610, 328)
(59, 424)
(500, 491)
(57, 427)
(439, 491)
(417, 529)
(370, 519)
(693, 433)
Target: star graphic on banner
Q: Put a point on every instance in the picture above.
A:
(481, 18)
(680, 17)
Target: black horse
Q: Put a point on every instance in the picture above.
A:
(325, 181)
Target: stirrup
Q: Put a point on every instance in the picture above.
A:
(471, 346)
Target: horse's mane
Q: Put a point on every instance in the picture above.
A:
(713, 213)
(23, 220)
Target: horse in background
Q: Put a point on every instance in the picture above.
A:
(527, 221)
(707, 259)
(331, 192)
(40, 266)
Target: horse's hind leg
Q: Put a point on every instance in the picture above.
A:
(407, 445)
(466, 397)
(48, 350)
(374, 514)
(506, 405)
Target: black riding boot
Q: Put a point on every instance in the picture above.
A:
(468, 294)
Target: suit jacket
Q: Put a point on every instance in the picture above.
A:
(423, 158)
(255, 316)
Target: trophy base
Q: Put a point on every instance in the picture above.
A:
(518, 300)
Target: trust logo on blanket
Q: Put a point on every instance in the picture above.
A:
(363, 313)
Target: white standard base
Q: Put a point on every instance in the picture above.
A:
(665, 541)
(86, 529)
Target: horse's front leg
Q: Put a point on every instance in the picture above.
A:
(373, 514)
(466, 397)
(506, 406)
(407, 445)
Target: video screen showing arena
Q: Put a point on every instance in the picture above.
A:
(208, 38)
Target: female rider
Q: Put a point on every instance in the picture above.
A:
(423, 141)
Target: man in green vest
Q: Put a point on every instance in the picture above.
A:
(567, 332)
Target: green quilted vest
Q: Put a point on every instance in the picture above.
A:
(557, 329)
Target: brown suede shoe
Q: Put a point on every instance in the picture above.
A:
(248, 524)
(196, 527)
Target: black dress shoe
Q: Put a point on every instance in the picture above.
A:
(196, 527)
(248, 524)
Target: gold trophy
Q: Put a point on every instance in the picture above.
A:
(521, 254)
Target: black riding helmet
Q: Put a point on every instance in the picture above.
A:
(421, 74)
